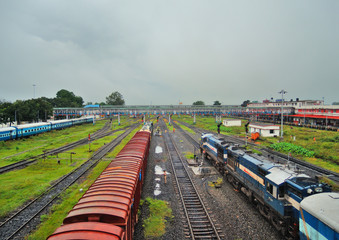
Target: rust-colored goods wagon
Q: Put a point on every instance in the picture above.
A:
(112, 201)
(88, 231)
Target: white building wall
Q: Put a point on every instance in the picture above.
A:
(229, 123)
(265, 131)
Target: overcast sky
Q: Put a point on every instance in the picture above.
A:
(163, 52)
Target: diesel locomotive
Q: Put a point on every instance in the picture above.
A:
(276, 189)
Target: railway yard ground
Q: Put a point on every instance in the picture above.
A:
(233, 215)
(13, 151)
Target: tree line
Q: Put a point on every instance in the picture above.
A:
(40, 109)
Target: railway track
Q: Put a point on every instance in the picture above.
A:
(12, 227)
(275, 156)
(199, 222)
(98, 134)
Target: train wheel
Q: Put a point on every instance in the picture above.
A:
(263, 211)
(277, 223)
(229, 178)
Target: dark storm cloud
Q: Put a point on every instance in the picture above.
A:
(161, 52)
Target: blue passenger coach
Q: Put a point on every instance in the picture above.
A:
(319, 217)
(7, 133)
(25, 130)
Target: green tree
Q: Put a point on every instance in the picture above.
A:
(198, 103)
(115, 99)
(32, 110)
(5, 111)
(245, 103)
(216, 103)
(66, 98)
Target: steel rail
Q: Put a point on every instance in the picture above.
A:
(99, 134)
(187, 184)
(44, 199)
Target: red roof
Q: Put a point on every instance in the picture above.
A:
(314, 116)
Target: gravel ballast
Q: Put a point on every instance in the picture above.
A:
(232, 213)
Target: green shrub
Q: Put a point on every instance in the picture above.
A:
(154, 225)
(289, 147)
(334, 139)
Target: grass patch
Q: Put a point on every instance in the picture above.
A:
(25, 184)
(324, 144)
(21, 149)
(169, 126)
(335, 186)
(14, 151)
(189, 155)
(155, 224)
(185, 128)
(216, 184)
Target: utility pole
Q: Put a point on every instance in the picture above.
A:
(282, 113)
(34, 90)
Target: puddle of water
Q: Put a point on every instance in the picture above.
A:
(156, 192)
(158, 149)
(159, 171)
(157, 189)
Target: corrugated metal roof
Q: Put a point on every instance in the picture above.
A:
(278, 175)
(88, 231)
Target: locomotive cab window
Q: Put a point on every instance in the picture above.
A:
(271, 189)
(281, 192)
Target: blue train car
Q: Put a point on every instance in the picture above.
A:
(7, 133)
(276, 189)
(61, 124)
(319, 217)
(78, 121)
(26, 130)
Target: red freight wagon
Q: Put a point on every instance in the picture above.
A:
(88, 231)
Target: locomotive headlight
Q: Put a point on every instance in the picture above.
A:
(318, 189)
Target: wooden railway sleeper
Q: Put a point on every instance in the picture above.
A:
(201, 221)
